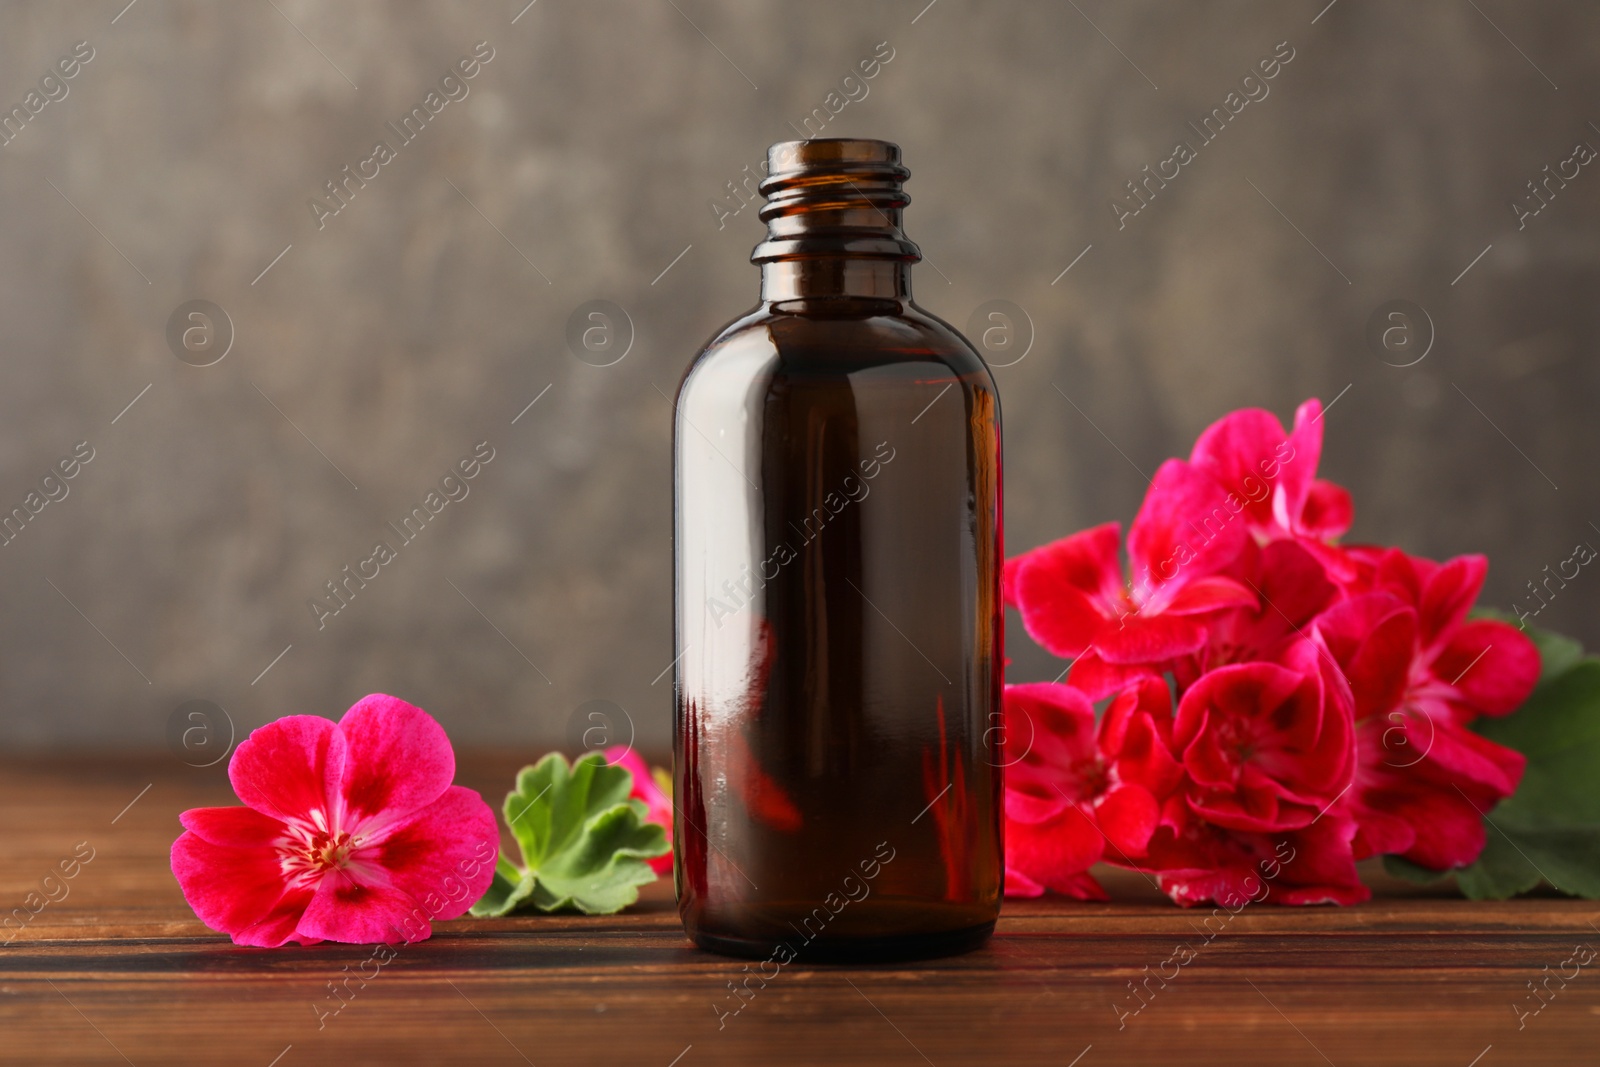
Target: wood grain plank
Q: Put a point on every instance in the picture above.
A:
(121, 972)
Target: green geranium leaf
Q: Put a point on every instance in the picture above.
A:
(1558, 729)
(1400, 867)
(1516, 858)
(1557, 654)
(584, 843)
(1501, 872)
(509, 889)
(1549, 830)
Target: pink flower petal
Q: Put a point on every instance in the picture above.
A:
(1081, 887)
(1293, 582)
(1149, 639)
(1448, 829)
(290, 768)
(1087, 560)
(1065, 590)
(1025, 807)
(1233, 450)
(1312, 865)
(1328, 511)
(444, 856)
(1078, 887)
(1054, 854)
(233, 827)
(1064, 710)
(1492, 664)
(1062, 619)
(239, 891)
(1448, 594)
(1247, 807)
(1049, 735)
(1020, 885)
(1297, 467)
(1096, 678)
(279, 926)
(345, 909)
(1373, 637)
(1184, 531)
(1112, 734)
(1134, 734)
(1400, 574)
(399, 759)
(1466, 759)
(1128, 814)
(1211, 594)
(1381, 832)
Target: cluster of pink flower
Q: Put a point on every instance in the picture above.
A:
(1265, 685)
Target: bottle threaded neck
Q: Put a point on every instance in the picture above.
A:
(832, 197)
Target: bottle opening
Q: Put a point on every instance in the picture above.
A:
(834, 197)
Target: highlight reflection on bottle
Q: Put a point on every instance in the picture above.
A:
(838, 614)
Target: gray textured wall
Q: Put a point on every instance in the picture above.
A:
(407, 328)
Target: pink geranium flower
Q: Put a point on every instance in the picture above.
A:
(1273, 473)
(1324, 694)
(1421, 672)
(1053, 778)
(1266, 746)
(351, 832)
(1076, 793)
(646, 788)
(1294, 589)
(1196, 860)
(1075, 602)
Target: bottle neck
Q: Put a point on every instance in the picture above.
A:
(832, 210)
(835, 277)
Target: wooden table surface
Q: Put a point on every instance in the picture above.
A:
(120, 971)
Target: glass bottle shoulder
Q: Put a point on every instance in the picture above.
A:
(835, 339)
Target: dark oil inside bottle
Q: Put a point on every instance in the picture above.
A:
(839, 625)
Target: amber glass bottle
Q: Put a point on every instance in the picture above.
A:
(838, 613)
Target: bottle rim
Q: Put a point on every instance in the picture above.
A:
(834, 196)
